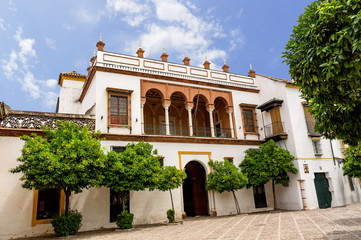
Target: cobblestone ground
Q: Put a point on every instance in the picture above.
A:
(335, 223)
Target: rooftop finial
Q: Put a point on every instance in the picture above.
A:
(140, 44)
(164, 50)
(94, 52)
(250, 66)
(225, 61)
(205, 57)
(100, 37)
(185, 53)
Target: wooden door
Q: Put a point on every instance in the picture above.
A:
(259, 196)
(323, 194)
(276, 121)
(195, 195)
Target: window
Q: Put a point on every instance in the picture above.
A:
(229, 159)
(117, 149)
(161, 161)
(116, 204)
(310, 121)
(118, 107)
(249, 119)
(47, 204)
(351, 183)
(316, 143)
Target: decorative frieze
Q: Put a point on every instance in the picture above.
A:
(34, 120)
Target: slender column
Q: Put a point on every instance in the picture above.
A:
(154, 126)
(190, 124)
(142, 116)
(166, 110)
(210, 110)
(303, 194)
(231, 122)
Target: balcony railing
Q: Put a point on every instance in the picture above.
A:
(275, 131)
(160, 129)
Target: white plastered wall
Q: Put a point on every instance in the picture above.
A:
(69, 96)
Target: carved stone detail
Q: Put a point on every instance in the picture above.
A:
(32, 120)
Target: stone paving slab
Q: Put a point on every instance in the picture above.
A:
(333, 223)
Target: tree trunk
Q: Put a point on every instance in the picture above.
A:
(67, 200)
(123, 202)
(274, 195)
(171, 198)
(236, 203)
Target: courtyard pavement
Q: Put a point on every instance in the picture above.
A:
(332, 223)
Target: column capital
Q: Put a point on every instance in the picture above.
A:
(166, 102)
(229, 109)
(189, 105)
(210, 107)
(165, 105)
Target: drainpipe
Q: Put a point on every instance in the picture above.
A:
(333, 155)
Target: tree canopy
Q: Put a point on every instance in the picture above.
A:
(135, 169)
(170, 178)
(352, 165)
(70, 158)
(324, 56)
(269, 162)
(225, 177)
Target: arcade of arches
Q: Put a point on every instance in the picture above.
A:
(170, 109)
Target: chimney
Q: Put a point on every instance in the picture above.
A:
(100, 45)
(186, 59)
(140, 52)
(251, 72)
(164, 56)
(225, 67)
(206, 64)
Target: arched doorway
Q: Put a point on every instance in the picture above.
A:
(195, 196)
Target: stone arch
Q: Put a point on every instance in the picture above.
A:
(195, 196)
(222, 125)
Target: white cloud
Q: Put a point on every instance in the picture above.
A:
(210, 10)
(16, 67)
(50, 99)
(239, 13)
(50, 43)
(26, 47)
(10, 65)
(178, 29)
(12, 6)
(68, 27)
(51, 83)
(191, 5)
(2, 26)
(237, 39)
(133, 12)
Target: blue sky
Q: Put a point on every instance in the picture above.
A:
(40, 39)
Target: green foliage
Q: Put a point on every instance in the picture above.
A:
(269, 162)
(225, 176)
(170, 178)
(135, 169)
(69, 158)
(352, 165)
(324, 56)
(67, 224)
(125, 220)
(170, 215)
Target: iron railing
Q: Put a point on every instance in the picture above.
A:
(160, 129)
(273, 129)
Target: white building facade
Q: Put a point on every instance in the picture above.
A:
(190, 115)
